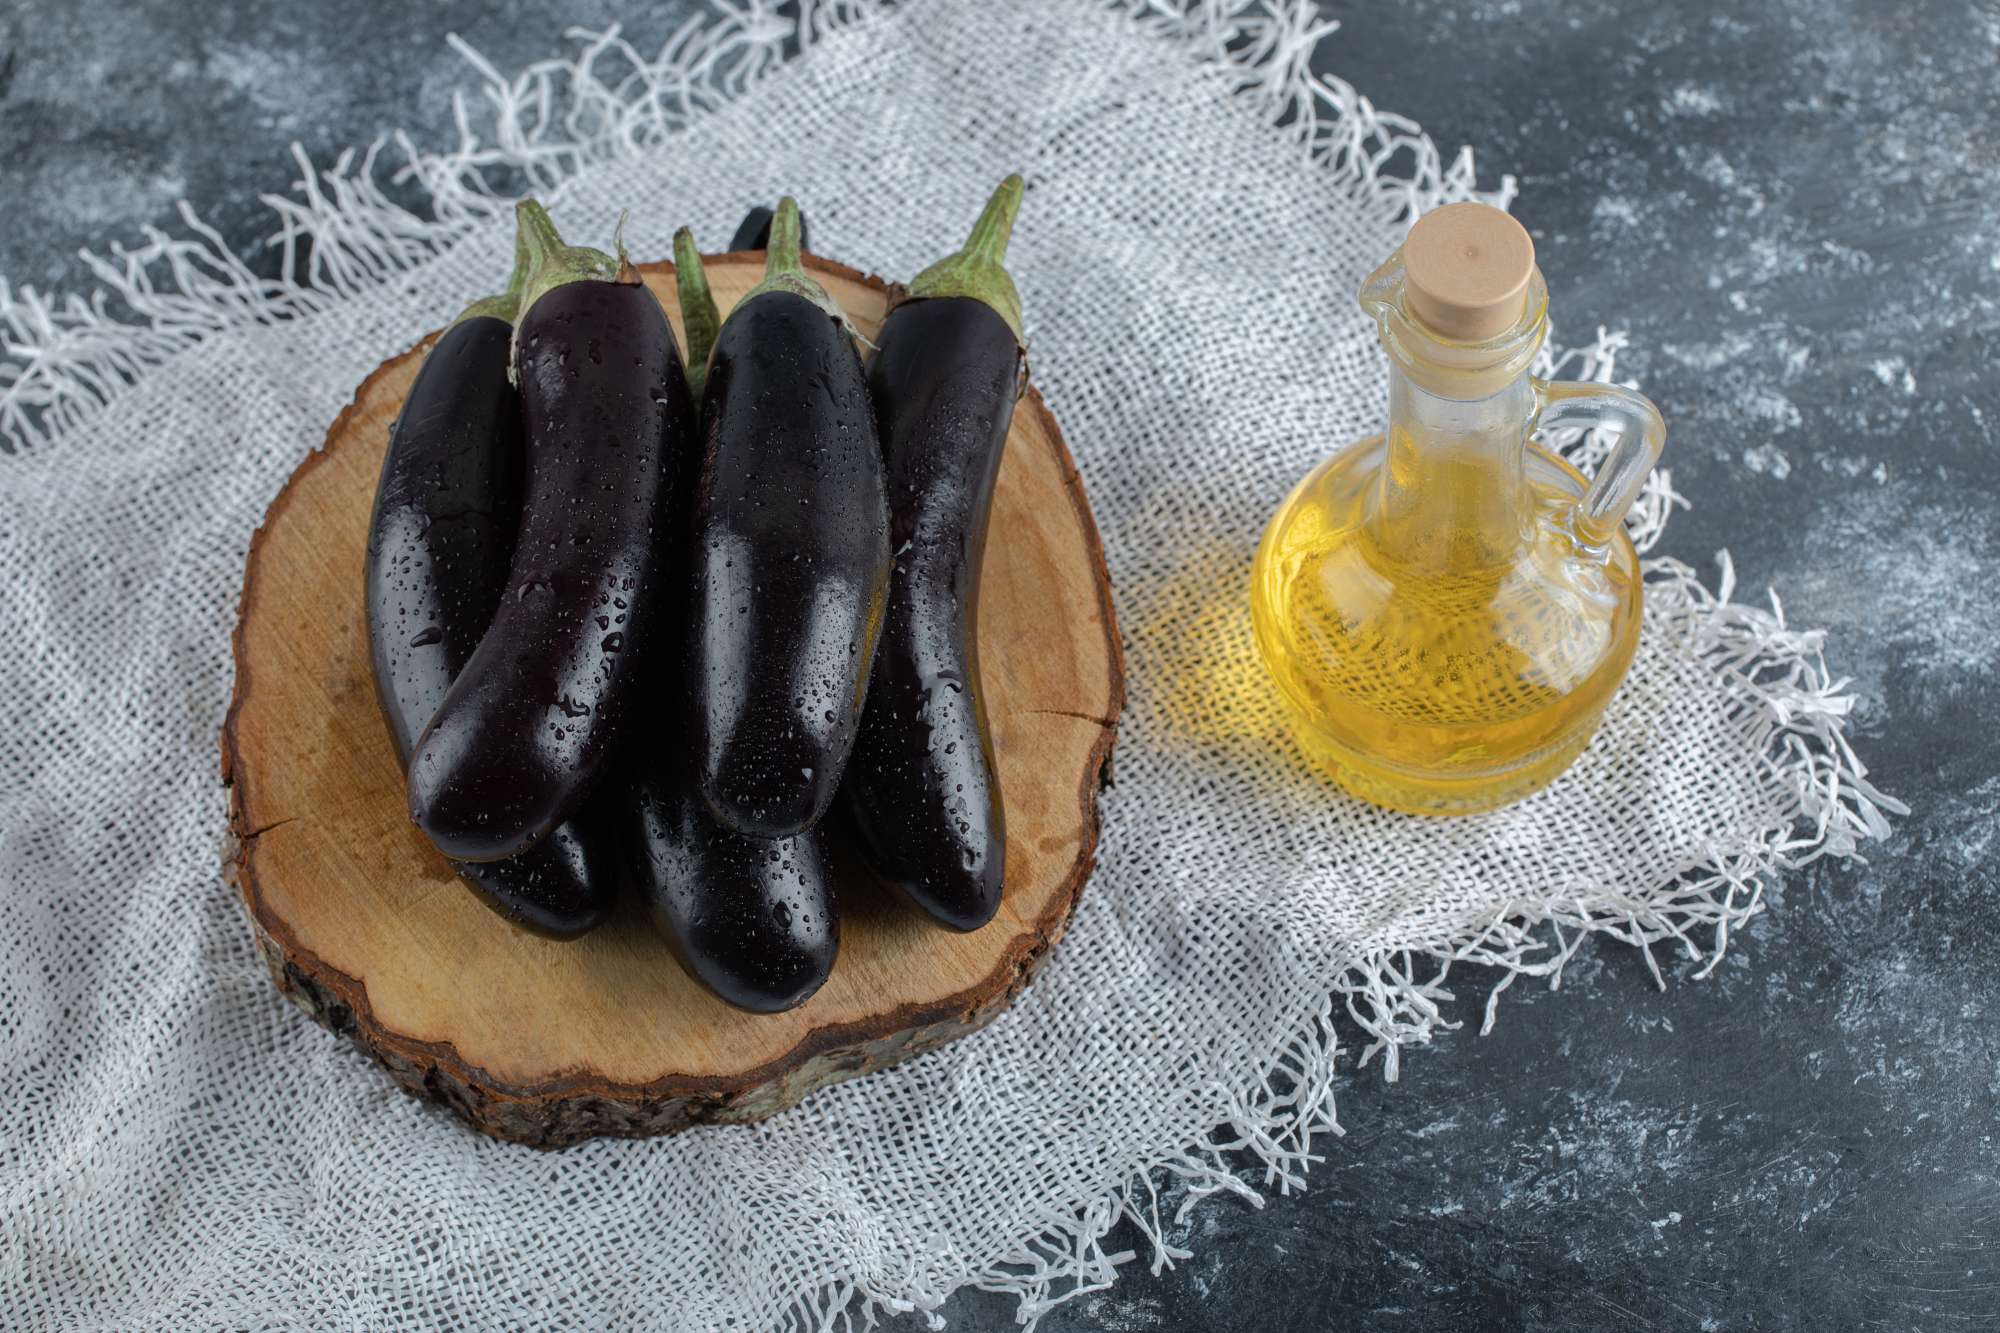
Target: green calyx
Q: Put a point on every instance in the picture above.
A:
(979, 270)
(507, 305)
(699, 316)
(784, 271)
(502, 308)
(551, 264)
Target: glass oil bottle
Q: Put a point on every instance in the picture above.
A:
(1447, 607)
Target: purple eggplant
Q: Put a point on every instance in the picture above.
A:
(791, 553)
(446, 507)
(530, 724)
(921, 790)
(751, 919)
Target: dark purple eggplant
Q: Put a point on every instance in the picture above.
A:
(791, 553)
(754, 231)
(921, 789)
(438, 545)
(752, 919)
(531, 722)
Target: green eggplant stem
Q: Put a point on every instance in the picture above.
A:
(784, 270)
(502, 308)
(553, 264)
(979, 271)
(628, 272)
(508, 304)
(782, 251)
(698, 313)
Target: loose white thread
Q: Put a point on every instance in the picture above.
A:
(340, 233)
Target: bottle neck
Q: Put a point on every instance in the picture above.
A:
(1453, 492)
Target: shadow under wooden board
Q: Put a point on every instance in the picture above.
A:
(364, 924)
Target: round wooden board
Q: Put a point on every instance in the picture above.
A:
(549, 1043)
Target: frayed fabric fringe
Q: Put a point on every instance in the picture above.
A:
(339, 232)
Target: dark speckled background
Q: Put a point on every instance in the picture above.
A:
(1795, 209)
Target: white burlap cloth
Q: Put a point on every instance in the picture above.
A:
(179, 1147)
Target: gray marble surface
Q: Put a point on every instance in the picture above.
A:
(1793, 208)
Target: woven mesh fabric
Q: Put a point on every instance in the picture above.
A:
(180, 1148)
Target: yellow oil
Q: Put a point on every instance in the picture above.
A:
(1442, 643)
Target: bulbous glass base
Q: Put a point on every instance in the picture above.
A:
(1446, 672)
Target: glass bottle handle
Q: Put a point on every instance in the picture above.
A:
(1641, 434)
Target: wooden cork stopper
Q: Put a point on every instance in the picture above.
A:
(1466, 269)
